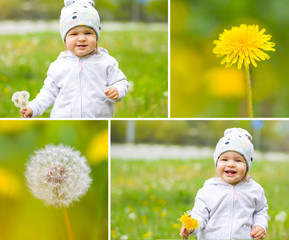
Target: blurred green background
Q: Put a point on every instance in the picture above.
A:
(22, 216)
(110, 10)
(137, 36)
(148, 196)
(200, 85)
(268, 135)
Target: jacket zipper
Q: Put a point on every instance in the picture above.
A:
(80, 83)
(234, 199)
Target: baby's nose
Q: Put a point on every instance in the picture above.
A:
(231, 162)
(81, 37)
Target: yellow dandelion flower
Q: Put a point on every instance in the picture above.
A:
(147, 235)
(144, 219)
(243, 44)
(176, 225)
(10, 186)
(188, 222)
(97, 150)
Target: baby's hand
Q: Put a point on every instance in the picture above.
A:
(185, 233)
(26, 112)
(111, 92)
(258, 233)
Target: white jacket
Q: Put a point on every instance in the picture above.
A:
(226, 211)
(75, 86)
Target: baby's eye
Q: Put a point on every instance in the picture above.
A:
(238, 160)
(73, 34)
(224, 159)
(88, 33)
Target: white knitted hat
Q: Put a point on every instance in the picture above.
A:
(237, 140)
(78, 13)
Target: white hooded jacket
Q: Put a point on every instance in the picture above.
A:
(226, 211)
(75, 86)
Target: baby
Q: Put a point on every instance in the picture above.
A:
(232, 206)
(84, 81)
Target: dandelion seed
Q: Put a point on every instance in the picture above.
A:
(243, 44)
(58, 175)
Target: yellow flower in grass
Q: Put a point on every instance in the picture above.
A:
(147, 235)
(188, 222)
(243, 44)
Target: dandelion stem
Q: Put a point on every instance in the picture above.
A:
(67, 223)
(249, 92)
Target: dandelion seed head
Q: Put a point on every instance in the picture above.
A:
(244, 44)
(132, 216)
(281, 217)
(58, 175)
(20, 99)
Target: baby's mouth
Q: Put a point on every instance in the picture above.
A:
(81, 46)
(230, 172)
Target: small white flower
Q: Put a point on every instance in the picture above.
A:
(25, 95)
(131, 86)
(58, 175)
(15, 95)
(20, 99)
(281, 217)
(23, 104)
(124, 237)
(132, 216)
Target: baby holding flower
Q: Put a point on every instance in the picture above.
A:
(233, 205)
(84, 81)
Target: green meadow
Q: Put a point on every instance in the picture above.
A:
(148, 197)
(142, 55)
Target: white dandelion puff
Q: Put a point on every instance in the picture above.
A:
(132, 216)
(24, 95)
(20, 99)
(131, 86)
(281, 217)
(58, 175)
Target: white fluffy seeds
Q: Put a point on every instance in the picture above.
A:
(20, 99)
(58, 175)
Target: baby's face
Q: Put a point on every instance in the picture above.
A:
(81, 40)
(231, 167)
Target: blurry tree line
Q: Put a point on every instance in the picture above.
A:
(268, 136)
(110, 10)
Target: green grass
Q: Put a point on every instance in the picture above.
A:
(157, 193)
(142, 56)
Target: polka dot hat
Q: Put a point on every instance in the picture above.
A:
(238, 140)
(77, 13)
